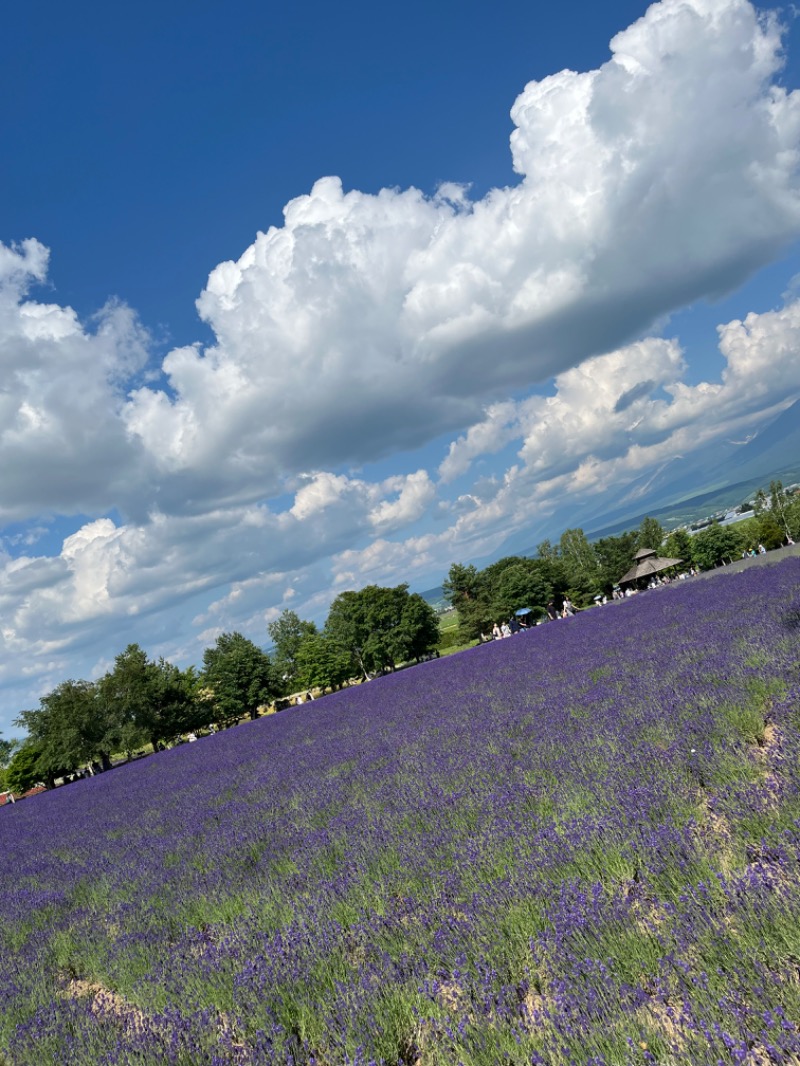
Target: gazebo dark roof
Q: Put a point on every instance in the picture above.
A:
(647, 564)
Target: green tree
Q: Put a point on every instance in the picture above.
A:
(322, 664)
(347, 628)
(792, 512)
(418, 629)
(615, 557)
(24, 771)
(125, 698)
(240, 676)
(503, 587)
(382, 612)
(176, 706)
(523, 584)
(715, 545)
(770, 531)
(179, 701)
(288, 633)
(6, 751)
(581, 565)
(476, 616)
(678, 545)
(779, 500)
(461, 584)
(465, 589)
(547, 550)
(576, 551)
(156, 701)
(71, 727)
(651, 534)
(381, 627)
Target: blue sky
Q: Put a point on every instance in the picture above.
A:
(145, 146)
(296, 300)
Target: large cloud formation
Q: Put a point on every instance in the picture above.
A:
(235, 478)
(63, 444)
(367, 323)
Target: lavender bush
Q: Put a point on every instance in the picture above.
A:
(579, 845)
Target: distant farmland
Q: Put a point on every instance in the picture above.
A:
(577, 845)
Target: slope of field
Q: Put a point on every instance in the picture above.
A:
(578, 845)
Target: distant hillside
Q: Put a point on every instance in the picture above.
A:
(690, 510)
(775, 446)
(720, 477)
(435, 597)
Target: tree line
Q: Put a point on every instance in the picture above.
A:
(366, 632)
(147, 702)
(580, 570)
(140, 702)
(572, 567)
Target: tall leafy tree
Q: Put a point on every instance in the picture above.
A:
(175, 706)
(506, 585)
(651, 534)
(778, 502)
(615, 556)
(547, 550)
(153, 700)
(288, 633)
(576, 551)
(771, 533)
(466, 590)
(72, 726)
(24, 771)
(383, 608)
(716, 544)
(323, 664)
(581, 565)
(523, 584)
(6, 751)
(476, 616)
(792, 512)
(760, 502)
(239, 675)
(181, 706)
(348, 629)
(381, 627)
(126, 693)
(462, 584)
(418, 629)
(678, 545)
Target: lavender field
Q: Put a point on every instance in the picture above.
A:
(579, 845)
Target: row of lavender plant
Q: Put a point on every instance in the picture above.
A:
(579, 845)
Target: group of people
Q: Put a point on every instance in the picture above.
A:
(505, 629)
(761, 550)
(501, 630)
(566, 610)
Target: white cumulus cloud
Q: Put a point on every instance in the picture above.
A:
(371, 323)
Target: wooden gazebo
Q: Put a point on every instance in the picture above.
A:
(647, 564)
